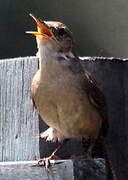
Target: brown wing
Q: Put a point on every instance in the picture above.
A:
(97, 99)
(95, 95)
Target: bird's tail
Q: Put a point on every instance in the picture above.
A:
(110, 173)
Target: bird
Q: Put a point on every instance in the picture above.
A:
(65, 94)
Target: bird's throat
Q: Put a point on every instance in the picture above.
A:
(46, 54)
(53, 61)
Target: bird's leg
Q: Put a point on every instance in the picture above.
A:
(89, 151)
(88, 146)
(46, 161)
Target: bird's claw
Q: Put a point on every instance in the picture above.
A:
(45, 162)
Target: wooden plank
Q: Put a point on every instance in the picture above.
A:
(29, 170)
(59, 170)
(19, 124)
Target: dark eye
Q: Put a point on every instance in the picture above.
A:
(61, 31)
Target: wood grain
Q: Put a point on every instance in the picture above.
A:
(59, 170)
(19, 124)
(18, 120)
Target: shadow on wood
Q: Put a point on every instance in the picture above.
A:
(59, 170)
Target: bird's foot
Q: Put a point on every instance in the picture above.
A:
(46, 161)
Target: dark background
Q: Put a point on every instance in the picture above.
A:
(100, 27)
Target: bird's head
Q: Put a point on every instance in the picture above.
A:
(52, 34)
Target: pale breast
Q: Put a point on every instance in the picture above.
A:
(64, 105)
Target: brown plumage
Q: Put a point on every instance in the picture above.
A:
(67, 102)
(66, 96)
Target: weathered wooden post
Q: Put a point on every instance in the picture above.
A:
(19, 124)
(18, 119)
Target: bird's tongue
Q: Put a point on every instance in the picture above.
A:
(42, 29)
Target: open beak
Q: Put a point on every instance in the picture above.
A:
(42, 29)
